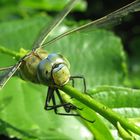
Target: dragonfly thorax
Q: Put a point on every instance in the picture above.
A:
(53, 70)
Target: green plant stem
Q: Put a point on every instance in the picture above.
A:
(103, 110)
(16, 55)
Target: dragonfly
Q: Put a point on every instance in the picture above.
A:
(53, 70)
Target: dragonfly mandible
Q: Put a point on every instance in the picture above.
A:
(52, 70)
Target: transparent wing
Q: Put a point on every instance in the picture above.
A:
(8, 73)
(5, 68)
(110, 19)
(45, 33)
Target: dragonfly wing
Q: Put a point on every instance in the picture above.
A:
(46, 31)
(111, 19)
(5, 68)
(8, 74)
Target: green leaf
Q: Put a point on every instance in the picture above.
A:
(117, 97)
(22, 110)
(103, 110)
(50, 5)
(123, 100)
(98, 128)
(28, 8)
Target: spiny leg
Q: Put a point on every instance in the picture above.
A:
(68, 107)
(50, 96)
(79, 77)
(72, 81)
(65, 105)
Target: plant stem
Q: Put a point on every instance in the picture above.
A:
(16, 55)
(103, 110)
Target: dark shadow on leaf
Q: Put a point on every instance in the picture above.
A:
(4, 102)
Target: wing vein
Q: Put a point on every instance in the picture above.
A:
(110, 19)
(46, 31)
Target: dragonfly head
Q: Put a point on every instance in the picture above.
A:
(60, 74)
(54, 69)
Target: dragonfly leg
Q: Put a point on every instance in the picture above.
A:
(68, 108)
(72, 82)
(50, 96)
(79, 77)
